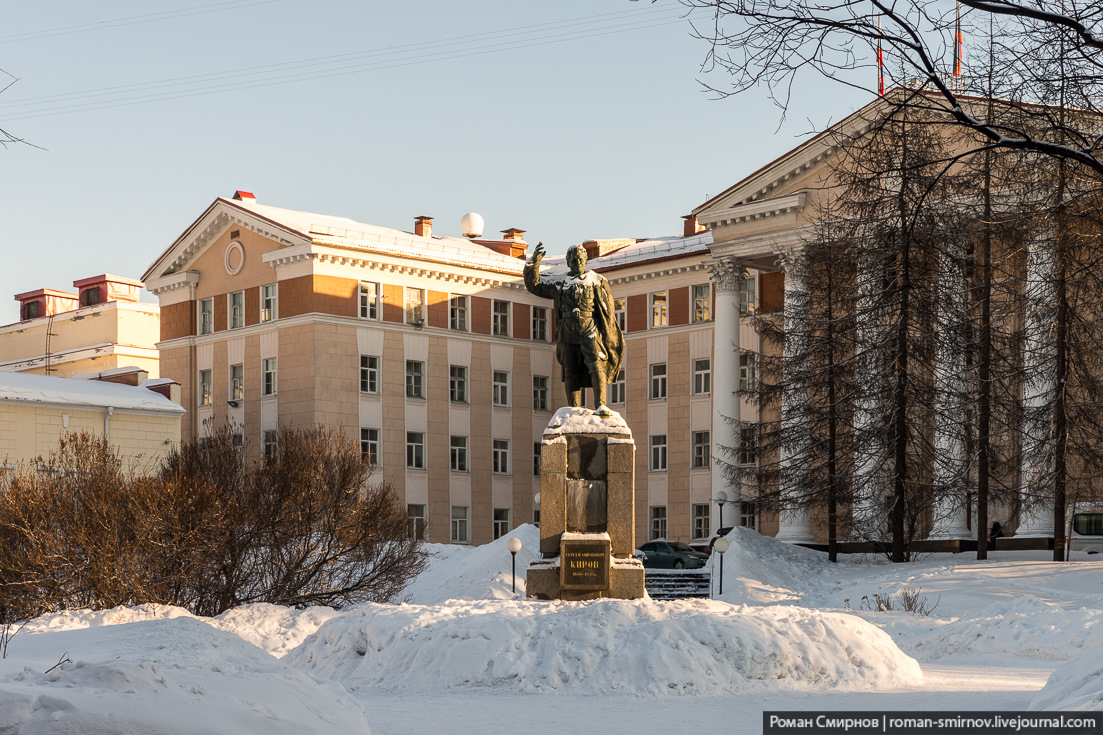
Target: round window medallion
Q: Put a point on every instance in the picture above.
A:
(235, 258)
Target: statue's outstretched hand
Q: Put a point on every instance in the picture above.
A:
(538, 253)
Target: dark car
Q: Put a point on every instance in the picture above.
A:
(720, 533)
(671, 555)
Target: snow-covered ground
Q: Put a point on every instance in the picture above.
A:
(465, 654)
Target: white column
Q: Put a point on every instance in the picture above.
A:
(1035, 489)
(795, 523)
(871, 455)
(950, 463)
(726, 276)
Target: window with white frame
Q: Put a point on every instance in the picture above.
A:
(457, 452)
(268, 442)
(457, 383)
(268, 375)
(457, 313)
(501, 388)
(658, 381)
(702, 376)
(415, 513)
(658, 522)
(701, 450)
(748, 444)
(205, 388)
(415, 306)
(501, 522)
(658, 453)
(206, 316)
(369, 373)
(237, 382)
(369, 300)
(619, 310)
(702, 302)
(237, 310)
(460, 519)
(500, 457)
(369, 446)
(540, 392)
(540, 323)
(746, 296)
(500, 323)
(701, 525)
(614, 392)
(658, 309)
(747, 362)
(269, 309)
(415, 374)
(415, 450)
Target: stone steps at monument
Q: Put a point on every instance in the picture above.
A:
(677, 584)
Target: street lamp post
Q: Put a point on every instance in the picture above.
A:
(721, 498)
(514, 546)
(720, 546)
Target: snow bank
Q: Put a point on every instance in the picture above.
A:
(165, 677)
(475, 573)
(1076, 685)
(601, 647)
(759, 569)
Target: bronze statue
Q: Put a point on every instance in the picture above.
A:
(589, 341)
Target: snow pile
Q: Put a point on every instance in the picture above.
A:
(475, 573)
(759, 569)
(601, 647)
(170, 677)
(1076, 685)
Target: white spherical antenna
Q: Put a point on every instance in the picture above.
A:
(471, 225)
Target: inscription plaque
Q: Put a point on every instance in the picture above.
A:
(584, 565)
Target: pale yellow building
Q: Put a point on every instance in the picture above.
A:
(101, 327)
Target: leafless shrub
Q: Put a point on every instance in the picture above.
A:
(911, 600)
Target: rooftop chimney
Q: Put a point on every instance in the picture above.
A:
(423, 226)
(244, 196)
(513, 234)
(691, 228)
(44, 302)
(103, 288)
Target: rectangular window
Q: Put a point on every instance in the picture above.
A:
(658, 309)
(536, 459)
(619, 310)
(237, 382)
(415, 306)
(748, 445)
(700, 449)
(615, 390)
(746, 296)
(268, 442)
(414, 374)
(501, 318)
(237, 310)
(540, 392)
(206, 316)
(459, 525)
(702, 302)
(747, 381)
(701, 525)
(748, 515)
(369, 300)
(268, 372)
(269, 309)
(457, 313)
(501, 522)
(658, 453)
(415, 512)
(658, 522)
(501, 388)
(457, 448)
(501, 457)
(540, 323)
(457, 383)
(658, 381)
(204, 387)
(415, 450)
(702, 376)
(369, 374)
(369, 446)
(536, 517)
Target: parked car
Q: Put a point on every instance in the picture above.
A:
(671, 555)
(720, 533)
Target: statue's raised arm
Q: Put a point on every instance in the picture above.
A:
(532, 275)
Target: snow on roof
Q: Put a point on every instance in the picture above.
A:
(344, 232)
(76, 392)
(654, 249)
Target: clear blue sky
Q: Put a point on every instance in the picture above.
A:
(572, 119)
